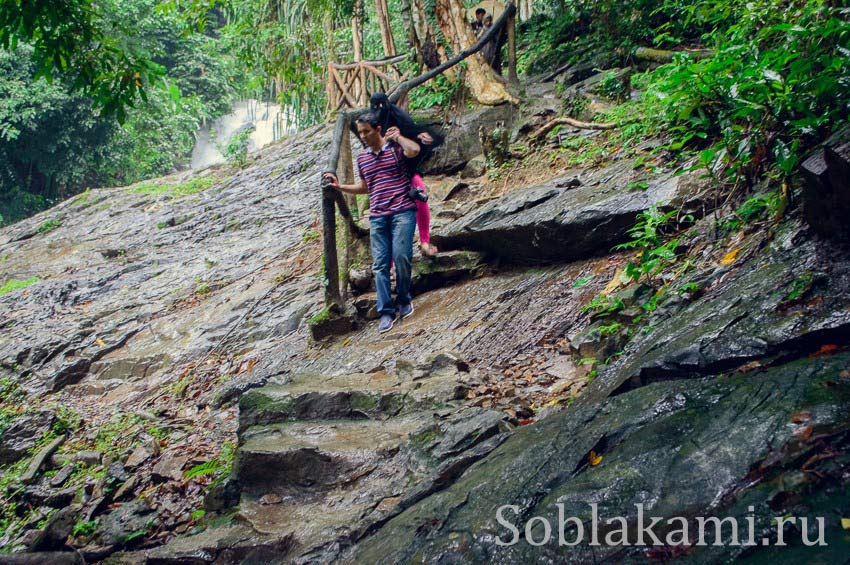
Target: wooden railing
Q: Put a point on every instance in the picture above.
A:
(341, 164)
(349, 84)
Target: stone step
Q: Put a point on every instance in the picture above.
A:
(357, 396)
(294, 457)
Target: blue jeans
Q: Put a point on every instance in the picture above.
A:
(391, 239)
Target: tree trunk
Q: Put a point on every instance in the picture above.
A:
(480, 78)
(430, 50)
(407, 20)
(526, 9)
(357, 37)
(382, 11)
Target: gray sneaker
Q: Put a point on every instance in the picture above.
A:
(386, 323)
(405, 311)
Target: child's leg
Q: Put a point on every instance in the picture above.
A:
(423, 219)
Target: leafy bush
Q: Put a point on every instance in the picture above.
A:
(647, 236)
(778, 81)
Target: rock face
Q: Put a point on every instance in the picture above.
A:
(569, 218)
(22, 435)
(322, 459)
(826, 190)
(723, 409)
(462, 139)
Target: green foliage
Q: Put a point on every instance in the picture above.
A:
(90, 43)
(57, 139)
(49, 225)
(235, 151)
(647, 235)
(14, 284)
(610, 329)
(604, 305)
(438, 92)
(756, 208)
(581, 281)
(198, 515)
(179, 190)
(67, 420)
(800, 286)
(219, 467)
(309, 235)
(85, 529)
(777, 81)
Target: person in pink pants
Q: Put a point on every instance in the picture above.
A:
(390, 115)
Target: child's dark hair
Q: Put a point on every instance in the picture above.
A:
(480, 11)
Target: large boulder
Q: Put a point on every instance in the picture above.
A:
(826, 186)
(462, 139)
(568, 218)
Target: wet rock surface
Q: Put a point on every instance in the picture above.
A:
(401, 446)
(687, 449)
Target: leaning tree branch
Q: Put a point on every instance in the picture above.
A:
(544, 129)
(403, 88)
(664, 56)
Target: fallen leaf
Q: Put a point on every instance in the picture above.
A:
(730, 257)
(99, 342)
(844, 374)
(804, 433)
(525, 422)
(801, 417)
(346, 342)
(615, 283)
(828, 349)
(594, 459)
(845, 523)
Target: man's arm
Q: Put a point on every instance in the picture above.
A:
(333, 182)
(410, 147)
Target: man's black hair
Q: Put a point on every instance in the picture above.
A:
(371, 119)
(480, 11)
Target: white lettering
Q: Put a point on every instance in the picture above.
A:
(718, 530)
(562, 526)
(506, 524)
(529, 528)
(648, 530)
(804, 526)
(780, 529)
(623, 531)
(683, 532)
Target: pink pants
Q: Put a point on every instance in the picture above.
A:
(423, 212)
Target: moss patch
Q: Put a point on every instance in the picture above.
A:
(16, 284)
(177, 190)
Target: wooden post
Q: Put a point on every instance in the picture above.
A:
(345, 173)
(331, 274)
(357, 37)
(512, 75)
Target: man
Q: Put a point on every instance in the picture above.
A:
(392, 212)
(478, 23)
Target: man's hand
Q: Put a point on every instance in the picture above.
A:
(393, 134)
(425, 138)
(331, 180)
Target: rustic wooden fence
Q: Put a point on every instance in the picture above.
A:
(349, 84)
(341, 164)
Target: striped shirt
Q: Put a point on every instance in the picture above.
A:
(387, 180)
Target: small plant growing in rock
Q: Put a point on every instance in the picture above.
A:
(84, 529)
(49, 226)
(647, 235)
(236, 150)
